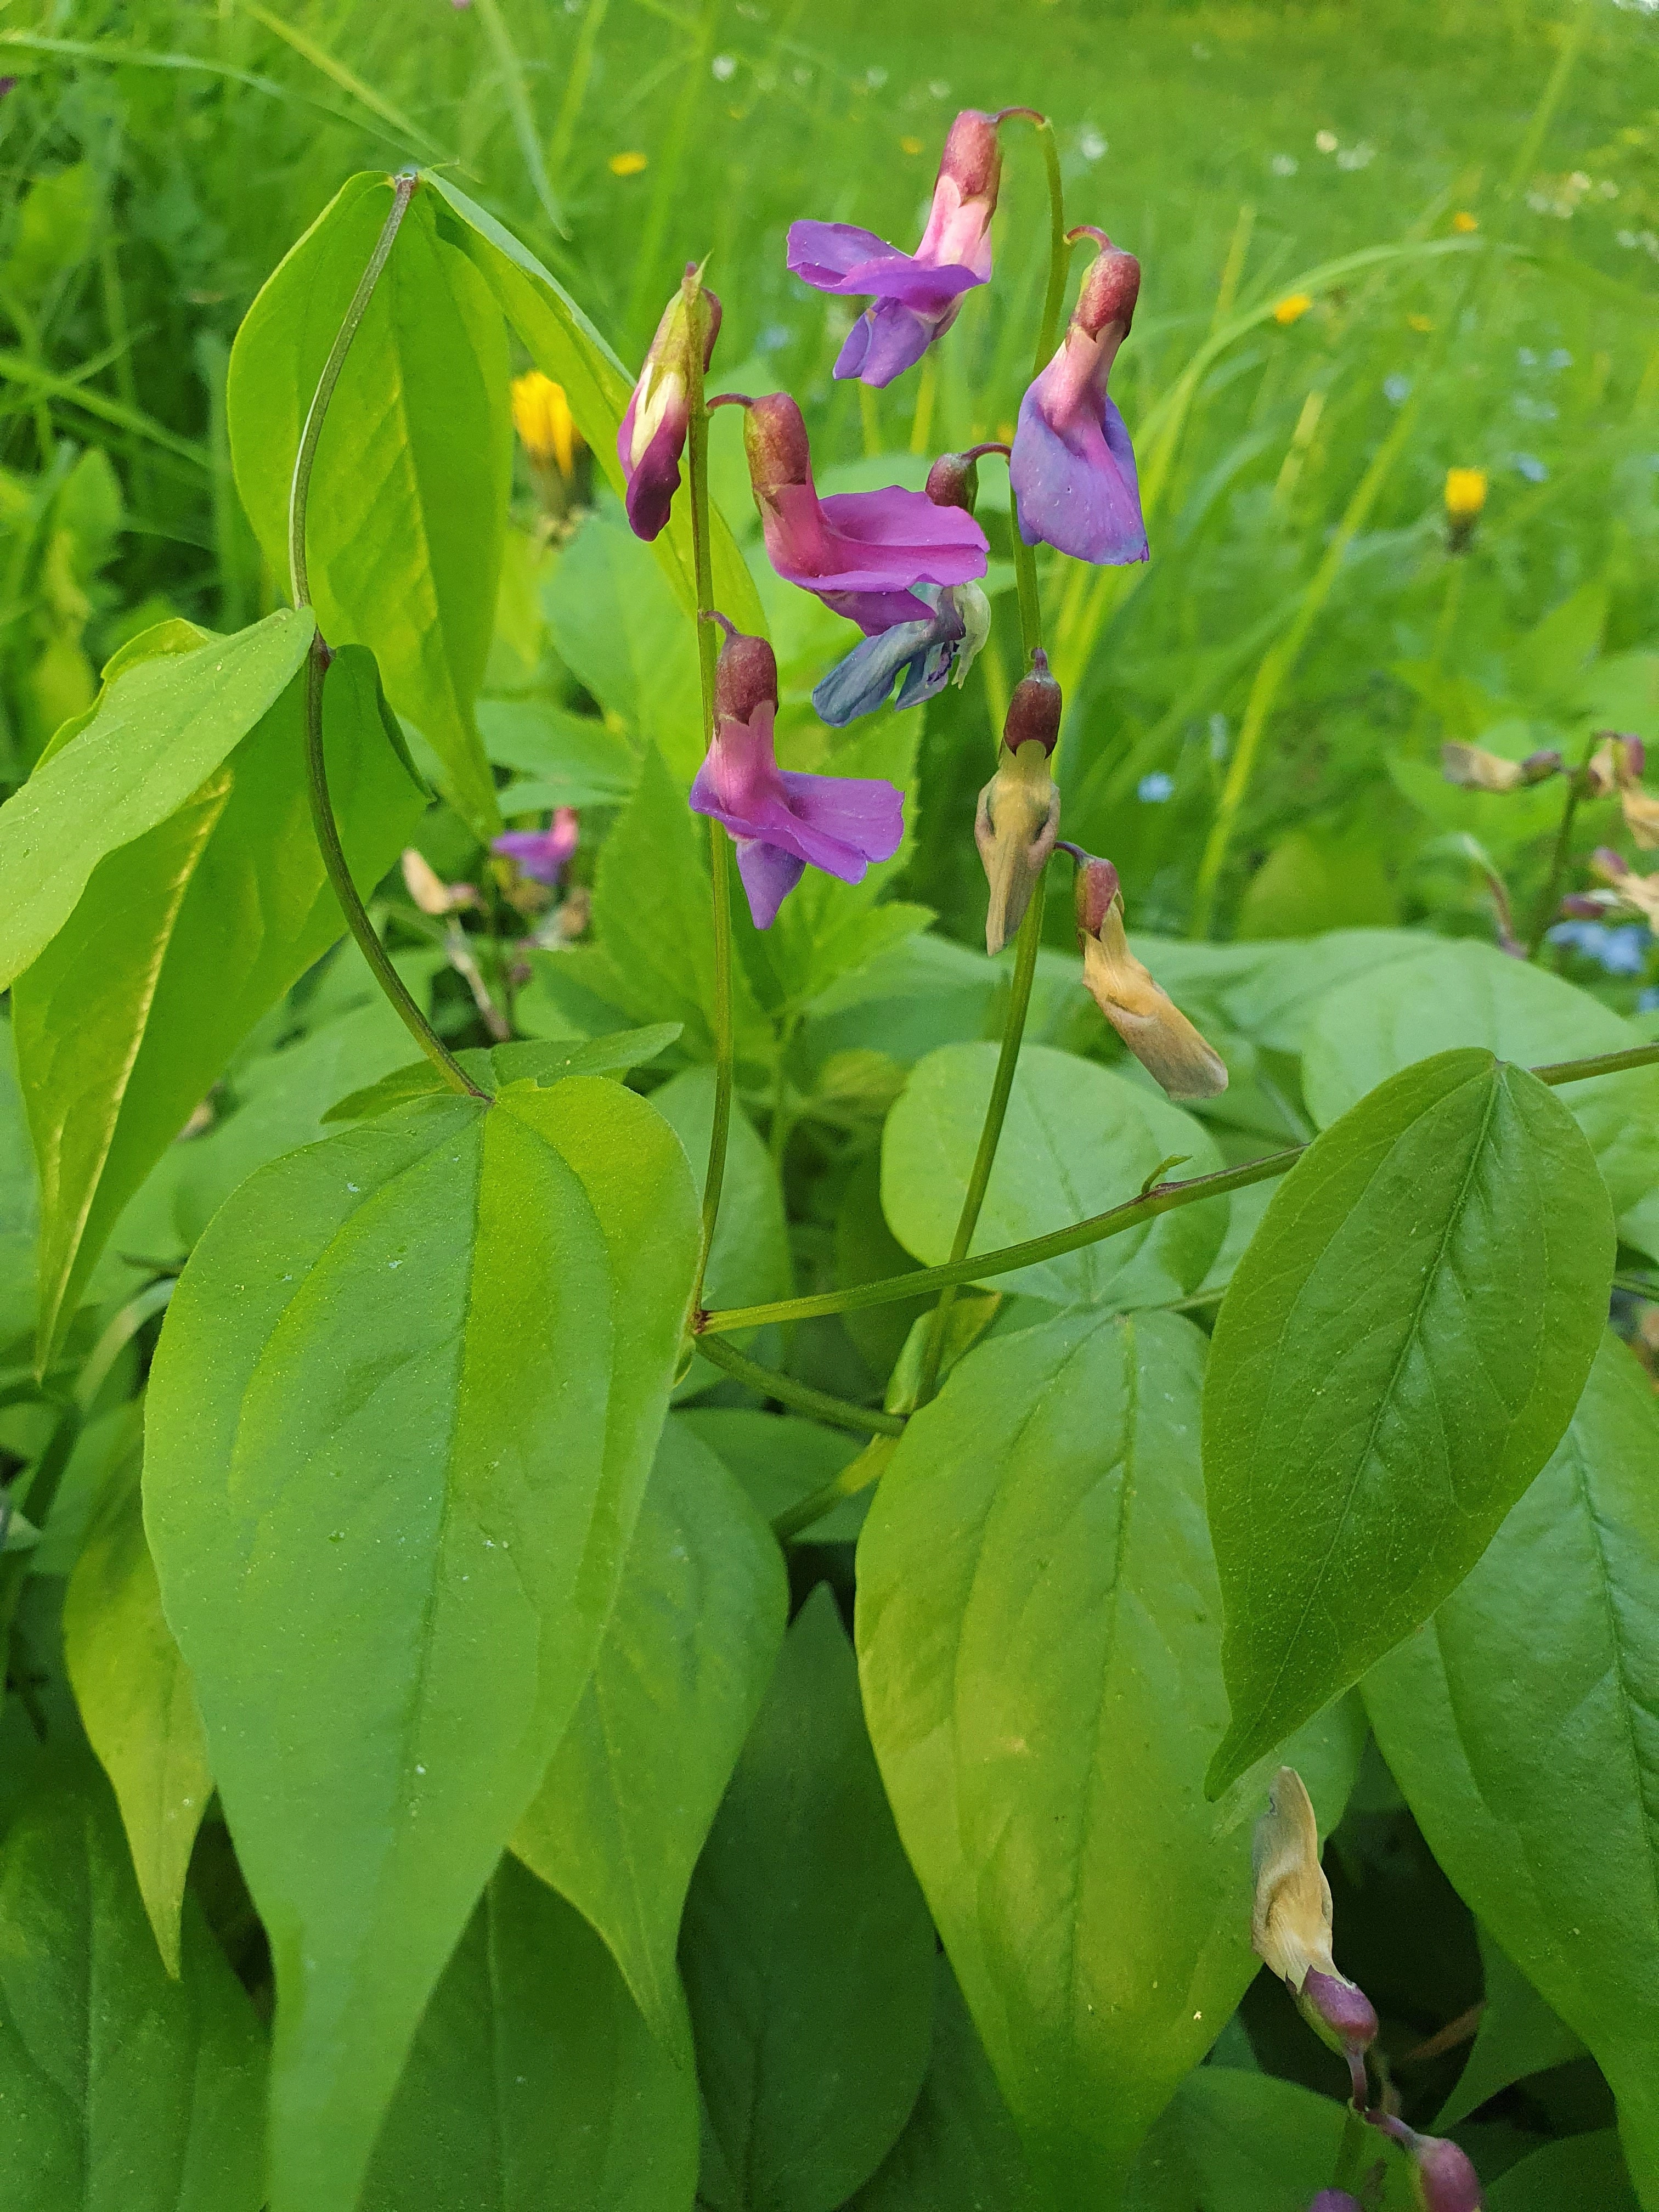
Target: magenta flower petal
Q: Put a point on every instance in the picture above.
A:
(876, 611)
(889, 338)
(836, 257)
(881, 539)
(1073, 476)
(542, 854)
(654, 478)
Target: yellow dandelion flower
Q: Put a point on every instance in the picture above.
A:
(910, 145)
(1291, 308)
(542, 417)
(1418, 323)
(627, 164)
(1465, 222)
(1466, 493)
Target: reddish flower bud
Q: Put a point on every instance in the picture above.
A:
(745, 675)
(953, 481)
(775, 439)
(1034, 710)
(973, 155)
(1110, 288)
(1443, 2179)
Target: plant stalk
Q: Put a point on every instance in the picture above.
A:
(838, 1411)
(1549, 897)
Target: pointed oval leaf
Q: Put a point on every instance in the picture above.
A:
(180, 941)
(409, 495)
(1522, 1725)
(1519, 2034)
(534, 2085)
(136, 1702)
(1402, 1346)
(118, 2087)
(1584, 2172)
(157, 731)
(1039, 1641)
(627, 1803)
(1247, 2143)
(807, 1952)
(1077, 1141)
(400, 1423)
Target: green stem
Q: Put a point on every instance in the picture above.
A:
(1163, 1198)
(1549, 898)
(317, 661)
(719, 844)
(801, 1396)
(1053, 301)
(858, 1474)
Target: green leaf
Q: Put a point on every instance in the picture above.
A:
(180, 941)
(1078, 1140)
(564, 345)
(652, 918)
(119, 2087)
(959, 2151)
(136, 1702)
(400, 1422)
(778, 1459)
(1585, 2172)
(534, 2084)
(20, 1202)
(490, 1067)
(158, 728)
(1519, 2034)
(409, 495)
(1039, 1641)
(573, 758)
(1404, 1342)
(1469, 994)
(1310, 881)
(627, 1803)
(807, 1953)
(1246, 2142)
(1268, 992)
(865, 1251)
(1522, 1725)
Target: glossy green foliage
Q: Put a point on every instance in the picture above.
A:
(1584, 2170)
(1368, 1417)
(1077, 1139)
(408, 492)
(1039, 1640)
(1246, 2142)
(534, 2085)
(807, 1954)
(136, 1702)
(165, 720)
(625, 1806)
(121, 2091)
(181, 941)
(1522, 1723)
(430, 1358)
(490, 1067)
(1519, 2034)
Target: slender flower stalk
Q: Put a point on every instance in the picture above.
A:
(317, 661)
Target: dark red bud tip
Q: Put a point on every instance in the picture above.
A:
(1539, 767)
(1034, 709)
(1094, 888)
(775, 439)
(973, 155)
(745, 676)
(1108, 292)
(953, 481)
(1636, 755)
(1583, 906)
(1345, 2008)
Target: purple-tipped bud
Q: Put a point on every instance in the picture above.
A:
(1153, 1027)
(953, 481)
(1110, 288)
(1540, 767)
(1338, 2011)
(1096, 890)
(973, 155)
(1442, 2179)
(653, 430)
(1034, 710)
(774, 440)
(746, 677)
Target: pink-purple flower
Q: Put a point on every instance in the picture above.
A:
(860, 552)
(781, 822)
(542, 854)
(653, 433)
(917, 296)
(1073, 468)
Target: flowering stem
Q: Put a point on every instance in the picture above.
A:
(322, 811)
(719, 844)
(1163, 1198)
(784, 1389)
(1549, 898)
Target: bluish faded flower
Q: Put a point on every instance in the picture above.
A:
(1073, 468)
(917, 296)
(782, 822)
(925, 655)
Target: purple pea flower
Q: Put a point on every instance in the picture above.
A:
(1073, 468)
(860, 552)
(653, 433)
(542, 854)
(782, 822)
(917, 296)
(1442, 2178)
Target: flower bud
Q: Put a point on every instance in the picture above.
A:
(1033, 716)
(1443, 2179)
(774, 440)
(1291, 1924)
(1110, 288)
(1015, 826)
(745, 676)
(1144, 1015)
(973, 155)
(953, 481)
(653, 431)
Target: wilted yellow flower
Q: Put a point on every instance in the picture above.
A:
(1466, 493)
(1290, 1922)
(627, 164)
(1476, 769)
(429, 890)
(542, 417)
(1014, 828)
(1292, 307)
(1616, 765)
(1639, 893)
(1142, 1012)
(1465, 222)
(910, 145)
